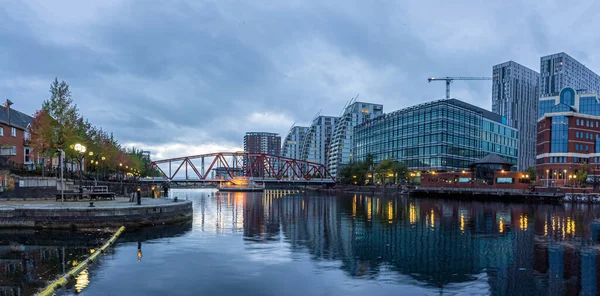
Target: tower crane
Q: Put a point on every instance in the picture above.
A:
(450, 79)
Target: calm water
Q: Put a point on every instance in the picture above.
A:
(296, 244)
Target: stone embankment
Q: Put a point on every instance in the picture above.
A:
(46, 214)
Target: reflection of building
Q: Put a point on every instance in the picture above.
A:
(340, 151)
(515, 96)
(441, 135)
(315, 145)
(438, 244)
(568, 135)
(269, 143)
(291, 144)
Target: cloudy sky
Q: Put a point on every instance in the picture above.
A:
(193, 76)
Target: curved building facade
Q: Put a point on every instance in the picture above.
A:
(340, 151)
(315, 145)
(292, 142)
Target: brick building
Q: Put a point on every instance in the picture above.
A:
(15, 137)
(568, 135)
(269, 143)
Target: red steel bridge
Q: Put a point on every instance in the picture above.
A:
(224, 166)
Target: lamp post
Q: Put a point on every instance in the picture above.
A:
(547, 177)
(121, 176)
(62, 177)
(565, 178)
(81, 150)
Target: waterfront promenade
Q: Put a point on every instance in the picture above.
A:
(104, 214)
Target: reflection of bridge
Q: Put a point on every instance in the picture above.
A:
(225, 166)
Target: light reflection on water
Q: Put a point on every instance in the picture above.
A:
(284, 243)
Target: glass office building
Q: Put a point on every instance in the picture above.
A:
(444, 135)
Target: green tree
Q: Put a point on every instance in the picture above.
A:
(582, 174)
(384, 170)
(63, 111)
(400, 171)
(368, 166)
(532, 174)
(353, 173)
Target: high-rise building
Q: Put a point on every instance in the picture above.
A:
(515, 96)
(315, 145)
(559, 70)
(292, 142)
(340, 151)
(568, 135)
(269, 143)
(444, 135)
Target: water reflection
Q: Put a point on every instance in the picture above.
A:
(29, 259)
(516, 249)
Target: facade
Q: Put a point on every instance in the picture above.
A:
(558, 71)
(568, 136)
(444, 135)
(315, 145)
(515, 96)
(340, 151)
(268, 143)
(15, 136)
(292, 142)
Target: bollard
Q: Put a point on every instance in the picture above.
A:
(139, 196)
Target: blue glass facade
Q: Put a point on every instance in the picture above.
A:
(560, 134)
(440, 135)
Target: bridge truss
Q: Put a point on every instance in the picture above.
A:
(225, 166)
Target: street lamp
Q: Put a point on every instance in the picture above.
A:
(547, 177)
(565, 178)
(81, 150)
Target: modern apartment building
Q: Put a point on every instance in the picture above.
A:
(444, 135)
(340, 151)
(15, 136)
(558, 71)
(315, 145)
(258, 142)
(515, 96)
(292, 142)
(568, 135)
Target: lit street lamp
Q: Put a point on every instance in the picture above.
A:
(81, 150)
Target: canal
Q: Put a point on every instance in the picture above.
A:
(285, 243)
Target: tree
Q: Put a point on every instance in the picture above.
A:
(41, 135)
(400, 171)
(353, 173)
(531, 173)
(64, 116)
(384, 169)
(582, 174)
(368, 165)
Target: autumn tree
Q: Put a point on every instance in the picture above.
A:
(60, 107)
(41, 135)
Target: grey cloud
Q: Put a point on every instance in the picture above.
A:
(193, 71)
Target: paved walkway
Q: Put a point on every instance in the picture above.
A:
(119, 202)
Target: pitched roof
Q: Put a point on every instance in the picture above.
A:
(17, 119)
(492, 158)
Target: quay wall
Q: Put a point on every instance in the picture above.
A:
(94, 218)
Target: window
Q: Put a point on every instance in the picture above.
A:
(1, 132)
(13, 132)
(28, 156)
(13, 150)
